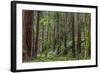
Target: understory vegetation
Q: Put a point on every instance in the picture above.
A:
(55, 36)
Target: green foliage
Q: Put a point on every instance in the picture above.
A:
(44, 21)
(43, 58)
(56, 40)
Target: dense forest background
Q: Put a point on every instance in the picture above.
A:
(55, 36)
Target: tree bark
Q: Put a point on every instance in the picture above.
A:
(73, 35)
(27, 34)
(80, 16)
(37, 34)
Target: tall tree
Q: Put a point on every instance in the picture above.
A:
(80, 23)
(33, 53)
(27, 17)
(37, 33)
(73, 34)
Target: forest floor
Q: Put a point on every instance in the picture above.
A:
(43, 58)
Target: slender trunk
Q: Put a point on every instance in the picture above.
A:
(57, 36)
(33, 53)
(73, 36)
(32, 46)
(47, 35)
(79, 34)
(65, 33)
(89, 33)
(37, 33)
(42, 38)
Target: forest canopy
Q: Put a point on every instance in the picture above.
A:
(55, 36)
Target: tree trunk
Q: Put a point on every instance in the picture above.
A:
(89, 34)
(73, 36)
(37, 34)
(79, 34)
(27, 34)
(33, 53)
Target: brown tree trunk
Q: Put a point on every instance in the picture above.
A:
(33, 34)
(37, 34)
(27, 34)
(73, 35)
(79, 34)
(76, 31)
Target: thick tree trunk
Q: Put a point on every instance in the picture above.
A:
(27, 34)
